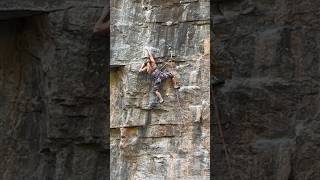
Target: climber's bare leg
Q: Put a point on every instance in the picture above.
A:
(159, 96)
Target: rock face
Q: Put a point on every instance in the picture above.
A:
(149, 140)
(269, 53)
(53, 87)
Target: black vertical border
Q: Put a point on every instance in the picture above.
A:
(211, 88)
(108, 45)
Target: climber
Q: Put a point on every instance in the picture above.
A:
(158, 76)
(102, 25)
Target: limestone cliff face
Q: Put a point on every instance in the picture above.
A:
(149, 140)
(53, 107)
(269, 53)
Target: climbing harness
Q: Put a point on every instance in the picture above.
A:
(218, 119)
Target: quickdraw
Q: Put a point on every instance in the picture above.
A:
(169, 61)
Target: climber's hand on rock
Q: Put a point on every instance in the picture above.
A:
(143, 67)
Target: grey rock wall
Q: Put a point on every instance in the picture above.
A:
(149, 140)
(269, 53)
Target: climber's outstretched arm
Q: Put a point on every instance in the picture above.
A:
(153, 61)
(143, 67)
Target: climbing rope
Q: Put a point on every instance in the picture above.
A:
(218, 119)
(179, 110)
(176, 92)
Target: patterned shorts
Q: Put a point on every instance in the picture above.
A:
(162, 76)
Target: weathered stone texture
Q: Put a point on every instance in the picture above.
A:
(53, 104)
(149, 140)
(270, 101)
